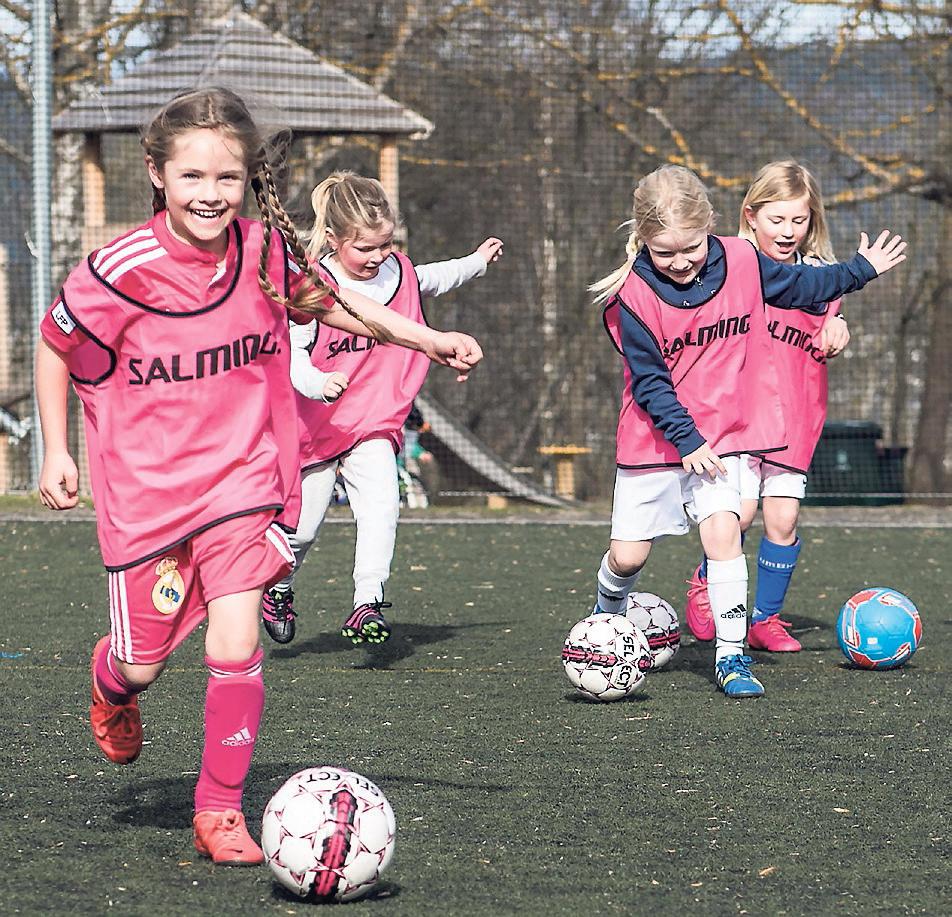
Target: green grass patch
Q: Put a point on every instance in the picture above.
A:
(512, 795)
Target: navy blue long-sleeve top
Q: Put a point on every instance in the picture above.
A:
(786, 286)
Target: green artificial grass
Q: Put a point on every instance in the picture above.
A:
(512, 794)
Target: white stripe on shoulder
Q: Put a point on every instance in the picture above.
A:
(127, 251)
(293, 265)
(107, 250)
(134, 262)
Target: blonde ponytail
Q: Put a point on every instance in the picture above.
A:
(608, 286)
(347, 205)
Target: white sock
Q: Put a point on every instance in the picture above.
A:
(611, 589)
(727, 590)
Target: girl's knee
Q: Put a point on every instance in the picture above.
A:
(140, 676)
(626, 558)
(720, 535)
(780, 520)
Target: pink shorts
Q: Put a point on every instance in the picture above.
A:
(155, 605)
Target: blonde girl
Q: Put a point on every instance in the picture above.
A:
(686, 311)
(783, 216)
(356, 427)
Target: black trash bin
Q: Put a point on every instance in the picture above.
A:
(892, 471)
(848, 466)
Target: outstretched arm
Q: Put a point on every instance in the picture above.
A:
(809, 287)
(59, 479)
(448, 348)
(442, 276)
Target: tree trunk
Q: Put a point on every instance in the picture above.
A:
(928, 473)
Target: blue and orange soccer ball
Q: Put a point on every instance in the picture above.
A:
(878, 629)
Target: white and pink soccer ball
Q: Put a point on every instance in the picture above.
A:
(328, 834)
(658, 621)
(606, 657)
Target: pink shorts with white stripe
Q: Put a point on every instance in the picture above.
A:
(155, 605)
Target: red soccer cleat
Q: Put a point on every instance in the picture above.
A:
(224, 837)
(697, 608)
(771, 635)
(117, 728)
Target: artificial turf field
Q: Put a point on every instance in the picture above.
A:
(512, 796)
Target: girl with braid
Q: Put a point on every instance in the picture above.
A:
(175, 337)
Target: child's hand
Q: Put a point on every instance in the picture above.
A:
(59, 481)
(454, 349)
(334, 387)
(491, 250)
(703, 461)
(883, 254)
(834, 336)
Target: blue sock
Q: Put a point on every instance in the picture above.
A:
(775, 566)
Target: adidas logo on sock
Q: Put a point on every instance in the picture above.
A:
(241, 737)
(738, 611)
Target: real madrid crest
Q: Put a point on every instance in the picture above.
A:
(169, 592)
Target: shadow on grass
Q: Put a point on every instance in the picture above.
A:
(641, 696)
(407, 638)
(379, 893)
(167, 802)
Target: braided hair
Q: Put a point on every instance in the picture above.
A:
(215, 108)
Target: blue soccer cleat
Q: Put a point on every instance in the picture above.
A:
(734, 678)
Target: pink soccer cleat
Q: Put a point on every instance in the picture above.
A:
(117, 728)
(771, 635)
(697, 609)
(224, 838)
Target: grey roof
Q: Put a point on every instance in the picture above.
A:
(271, 72)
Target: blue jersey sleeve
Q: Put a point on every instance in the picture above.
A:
(810, 287)
(652, 388)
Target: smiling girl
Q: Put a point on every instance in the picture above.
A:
(175, 337)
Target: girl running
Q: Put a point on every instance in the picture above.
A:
(783, 215)
(686, 311)
(175, 337)
(360, 433)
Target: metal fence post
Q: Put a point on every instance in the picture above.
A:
(42, 85)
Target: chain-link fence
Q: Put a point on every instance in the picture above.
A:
(531, 121)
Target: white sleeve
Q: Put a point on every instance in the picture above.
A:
(305, 376)
(442, 276)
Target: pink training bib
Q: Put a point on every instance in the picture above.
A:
(384, 380)
(802, 369)
(190, 414)
(720, 360)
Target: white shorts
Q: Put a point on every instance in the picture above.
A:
(661, 501)
(761, 479)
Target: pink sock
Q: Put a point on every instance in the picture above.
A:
(233, 704)
(110, 680)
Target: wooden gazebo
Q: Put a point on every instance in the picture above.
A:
(311, 97)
